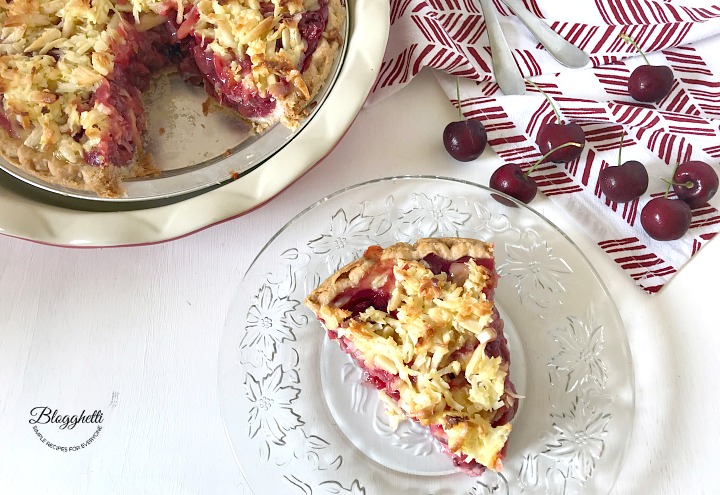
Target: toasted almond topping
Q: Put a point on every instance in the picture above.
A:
(55, 53)
(301, 87)
(150, 20)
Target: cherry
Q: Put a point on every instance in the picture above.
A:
(666, 219)
(649, 83)
(695, 182)
(554, 134)
(511, 180)
(465, 140)
(624, 182)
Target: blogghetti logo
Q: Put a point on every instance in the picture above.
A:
(66, 432)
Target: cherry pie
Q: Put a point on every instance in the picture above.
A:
(72, 73)
(420, 321)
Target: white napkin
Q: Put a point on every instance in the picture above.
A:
(450, 36)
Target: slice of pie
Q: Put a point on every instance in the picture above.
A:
(420, 321)
(72, 73)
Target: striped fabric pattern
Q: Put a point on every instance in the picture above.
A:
(450, 36)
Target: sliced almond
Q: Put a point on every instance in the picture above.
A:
(149, 21)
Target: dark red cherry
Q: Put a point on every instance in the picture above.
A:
(625, 182)
(553, 134)
(511, 180)
(666, 219)
(465, 140)
(695, 182)
(650, 83)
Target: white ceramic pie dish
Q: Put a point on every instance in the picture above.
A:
(31, 213)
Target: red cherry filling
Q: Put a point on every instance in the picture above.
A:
(366, 298)
(137, 55)
(382, 380)
(363, 296)
(311, 27)
(220, 81)
(127, 120)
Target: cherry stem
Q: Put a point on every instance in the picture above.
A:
(670, 182)
(457, 87)
(688, 184)
(564, 145)
(622, 138)
(628, 39)
(552, 104)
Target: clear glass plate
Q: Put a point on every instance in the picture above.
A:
(301, 422)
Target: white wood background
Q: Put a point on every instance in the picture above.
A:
(135, 332)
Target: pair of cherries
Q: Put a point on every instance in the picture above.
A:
(559, 142)
(694, 183)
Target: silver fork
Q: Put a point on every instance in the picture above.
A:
(564, 52)
(507, 73)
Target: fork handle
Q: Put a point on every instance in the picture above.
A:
(507, 73)
(561, 49)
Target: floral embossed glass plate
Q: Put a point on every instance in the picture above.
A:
(301, 421)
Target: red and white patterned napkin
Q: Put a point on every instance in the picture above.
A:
(449, 35)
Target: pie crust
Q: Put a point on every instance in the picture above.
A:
(421, 322)
(265, 60)
(450, 248)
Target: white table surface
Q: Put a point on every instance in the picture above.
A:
(135, 332)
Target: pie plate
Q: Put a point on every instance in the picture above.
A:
(192, 197)
(300, 419)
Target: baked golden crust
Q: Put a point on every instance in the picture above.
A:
(105, 181)
(449, 248)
